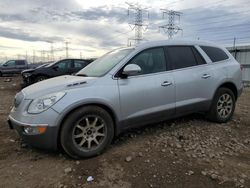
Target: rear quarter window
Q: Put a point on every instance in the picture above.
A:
(20, 62)
(215, 54)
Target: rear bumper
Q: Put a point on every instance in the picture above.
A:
(47, 140)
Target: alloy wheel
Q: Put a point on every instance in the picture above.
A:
(225, 105)
(89, 132)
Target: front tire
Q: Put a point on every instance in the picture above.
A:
(223, 106)
(87, 132)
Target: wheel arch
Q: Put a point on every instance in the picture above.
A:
(231, 86)
(101, 105)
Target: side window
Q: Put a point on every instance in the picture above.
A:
(215, 54)
(20, 62)
(181, 56)
(10, 63)
(79, 64)
(64, 65)
(199, 59)
(150, 61)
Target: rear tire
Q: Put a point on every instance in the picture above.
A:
(87, 132)
(1, 74)
(223, 106)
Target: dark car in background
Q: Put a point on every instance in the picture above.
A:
(13, 67)
(58, 68)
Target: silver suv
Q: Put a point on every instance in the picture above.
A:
(125, 88)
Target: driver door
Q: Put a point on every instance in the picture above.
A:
(9, 67)
(145, 98)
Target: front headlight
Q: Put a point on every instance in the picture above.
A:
(43, 103)
(26, 75)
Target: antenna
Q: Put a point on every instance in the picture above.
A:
(171, 28)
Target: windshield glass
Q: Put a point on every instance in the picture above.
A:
(43, 65)
(105, 63)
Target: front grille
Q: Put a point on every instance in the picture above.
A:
(18, 99)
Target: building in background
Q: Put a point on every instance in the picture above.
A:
(242, 55)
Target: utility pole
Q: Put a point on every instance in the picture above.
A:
(234, 47)
(80, 55)
(26, 56)
(34, 55)
(171, 28)
(67, 49)
(138, 22)
(51, 51)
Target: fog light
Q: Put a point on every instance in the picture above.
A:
(34, 130)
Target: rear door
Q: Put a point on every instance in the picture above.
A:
(20, 65)
(150, 95)
(193, 79)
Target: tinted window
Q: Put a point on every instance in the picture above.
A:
(181, 56)
(20, 62)
(79, 64)
(64, 65)
(215, 54)
(199, 59)
(150, 61)
(10, 63)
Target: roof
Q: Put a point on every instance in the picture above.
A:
(174, 42)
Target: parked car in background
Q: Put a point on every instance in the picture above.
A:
(58, 68)
(13, 67)
(126, 88)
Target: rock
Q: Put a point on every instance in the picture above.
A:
(242, 181)
(178, 145)
(77, 162)
(68, 170)
(221, 164)
(147, 161)
(23, 145)
(128, 159)
(204, 173)
(214, 176)
(163, 150)
(140, 154)
(190, 172)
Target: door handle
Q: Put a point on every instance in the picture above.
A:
(205, 76)
(166, 83)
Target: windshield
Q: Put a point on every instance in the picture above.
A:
(43, 65)
(105, 63)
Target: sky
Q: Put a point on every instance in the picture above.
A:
(31, 28)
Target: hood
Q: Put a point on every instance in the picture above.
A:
(61, 83)
(27, 70)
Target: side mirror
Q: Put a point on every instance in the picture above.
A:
(5, 65)
(131, 70)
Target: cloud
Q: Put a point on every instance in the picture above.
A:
(21, 35)
(95, 25)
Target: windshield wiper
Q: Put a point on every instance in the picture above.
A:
(84, 75)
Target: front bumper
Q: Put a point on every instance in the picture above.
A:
(46, 140)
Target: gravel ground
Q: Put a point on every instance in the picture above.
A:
(185, 152)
